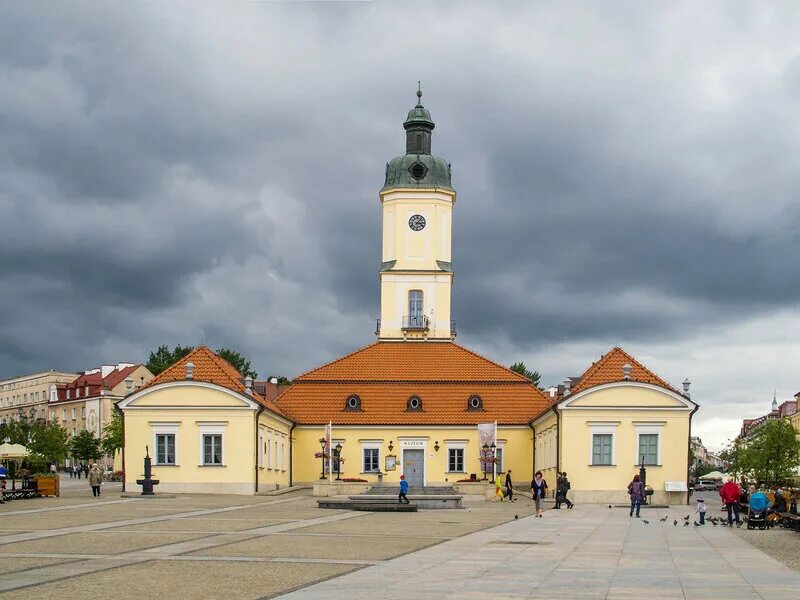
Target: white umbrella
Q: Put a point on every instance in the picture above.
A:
(712, 475)
(13, 451)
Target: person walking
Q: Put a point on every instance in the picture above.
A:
(498, 488)
(403, 490)
(95, 477)
(538, 490)
(636, 492)
(558, 491)
(509, 486)
(562, 488)
(86, 470)
(730, 493)
(701, 510)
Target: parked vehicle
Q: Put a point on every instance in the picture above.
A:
(706, 485)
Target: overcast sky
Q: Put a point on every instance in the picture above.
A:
(185, 173)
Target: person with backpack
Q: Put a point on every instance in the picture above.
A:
(636, 492)
(562, 487)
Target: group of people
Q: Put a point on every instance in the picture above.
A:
(76, 470)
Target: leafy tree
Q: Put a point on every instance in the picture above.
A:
(534, 376)
(238, 361)
(49, 444)
(85, 446)
(772, 451)
(113, 435)
(163, 357)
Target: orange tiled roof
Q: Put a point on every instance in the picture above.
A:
(413, 361)
(609, 369)
(385, 375)
(209, 367)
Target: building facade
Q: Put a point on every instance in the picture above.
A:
(618, 417)
(414, 403)
(88, 401)
(28, 395)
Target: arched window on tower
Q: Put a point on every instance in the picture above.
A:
(416, 318)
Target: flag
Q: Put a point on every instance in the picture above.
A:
(328, 449)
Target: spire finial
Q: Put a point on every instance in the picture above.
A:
(419, 93)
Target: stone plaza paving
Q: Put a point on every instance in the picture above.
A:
(261, 547)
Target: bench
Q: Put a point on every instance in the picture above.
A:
(789, 520)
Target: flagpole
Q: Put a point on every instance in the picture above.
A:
(494, 463)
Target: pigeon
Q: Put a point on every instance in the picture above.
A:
(686, 524)
(663, 520)
(696, 524)
(686, 518)
(516, 517)
(645, 521)
(714, 523)
(675, 522)
(609, 506)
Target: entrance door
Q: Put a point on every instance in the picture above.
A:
(414, 467)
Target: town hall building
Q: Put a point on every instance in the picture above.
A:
(414, 403)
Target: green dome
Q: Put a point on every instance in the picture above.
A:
(419, 115)
(423, 171)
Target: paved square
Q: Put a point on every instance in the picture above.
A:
(265, 546)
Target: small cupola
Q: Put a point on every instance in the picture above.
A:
(419, 127)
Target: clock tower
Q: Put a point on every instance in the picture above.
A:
(416, 269)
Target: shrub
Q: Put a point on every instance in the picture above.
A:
(354, 480)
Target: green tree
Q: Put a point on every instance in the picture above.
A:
(238, 361)
(281, 379)
(534, 376)
(162, 358)
(112, 439)
(49, 444)
(772, 452)
(85, 446)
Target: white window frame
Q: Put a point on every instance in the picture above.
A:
(604, 429)
(370, 446)
(455, 445)
(283, 453)
(649, 428)
(164, 428)
(261, 448)
(269, 449)
(212, 429)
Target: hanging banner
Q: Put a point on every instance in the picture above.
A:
(487, 435)
(328, 449)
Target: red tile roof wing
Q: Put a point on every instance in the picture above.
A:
(385, 374)
(210, 368)
(117, 375)
(609, 370)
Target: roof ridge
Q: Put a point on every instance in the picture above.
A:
(481, 356)
(605, 358)
(335, 360)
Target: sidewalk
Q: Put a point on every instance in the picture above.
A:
(589, 552)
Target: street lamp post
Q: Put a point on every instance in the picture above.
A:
(338, 455)
(485, 456)
(322, 452)
(493, 447)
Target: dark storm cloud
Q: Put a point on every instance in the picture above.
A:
(183, 173)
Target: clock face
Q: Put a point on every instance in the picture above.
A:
(417, 223)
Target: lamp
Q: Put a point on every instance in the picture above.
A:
(322, 443)
(390, 446)
(485, 456)
(436, 446)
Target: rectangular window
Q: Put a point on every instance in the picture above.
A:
(269, 451)
(86, 391)
(165, 449)
(212, 449)
(275, 450)
(648, 448)
(64, 414)
(283, 456)
(499, 464)
(73, 413)
(261, 450)
(68, 394)
(455, 460)
(601, 448)
(83, 412)
(371, 462)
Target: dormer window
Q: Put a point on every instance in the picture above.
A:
(414, 404)
(475, 403)
(353, 403)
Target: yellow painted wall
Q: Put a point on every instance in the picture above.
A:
(546, 449)
(194, 408)
(416, 251)
(609, 483)
(516, 443)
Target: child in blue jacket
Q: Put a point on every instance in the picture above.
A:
(403, 490)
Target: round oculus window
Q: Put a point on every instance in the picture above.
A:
(475, 402)
(352, 402)
(413, 403)
(416, 223)
(418, 171)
